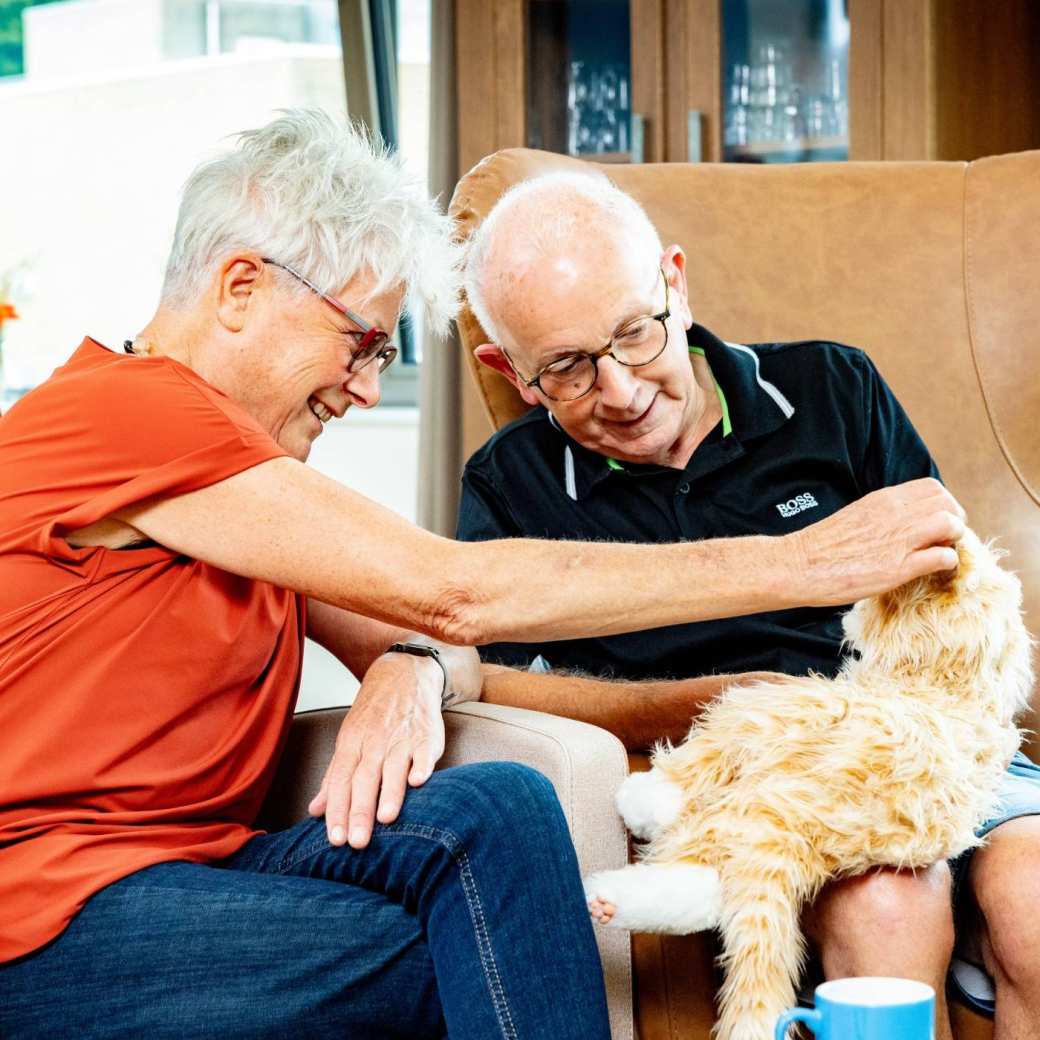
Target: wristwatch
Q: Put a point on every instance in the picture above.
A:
(421, 650)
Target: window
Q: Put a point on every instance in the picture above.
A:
(105, 108)
(107, 105)
(388, 62)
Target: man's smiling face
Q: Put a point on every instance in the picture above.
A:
(575, 300)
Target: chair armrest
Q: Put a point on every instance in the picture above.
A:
(584, 763)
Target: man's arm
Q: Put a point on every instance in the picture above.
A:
(637, 713)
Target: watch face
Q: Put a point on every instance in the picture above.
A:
(415, 648)
(418, 650)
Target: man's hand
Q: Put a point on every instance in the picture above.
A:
(392, 737)
(885, 539)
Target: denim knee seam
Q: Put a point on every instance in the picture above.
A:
(453, 845)
(290, 861)
(321, 843)
(487, 956)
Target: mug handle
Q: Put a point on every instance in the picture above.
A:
(811, 1018)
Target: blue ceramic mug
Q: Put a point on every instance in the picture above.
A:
(867, 1009)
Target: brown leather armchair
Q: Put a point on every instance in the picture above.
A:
(931, 268)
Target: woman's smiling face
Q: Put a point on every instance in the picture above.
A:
(291, 372)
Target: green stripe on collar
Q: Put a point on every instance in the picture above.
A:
(727, 426)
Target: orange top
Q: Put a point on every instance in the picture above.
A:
(144, 696)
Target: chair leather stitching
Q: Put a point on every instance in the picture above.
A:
(994, 421)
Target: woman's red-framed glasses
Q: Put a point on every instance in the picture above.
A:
(372, 341)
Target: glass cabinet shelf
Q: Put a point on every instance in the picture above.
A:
(785, 80)
(579, 78)
(801, 149)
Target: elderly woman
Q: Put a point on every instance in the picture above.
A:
(163, 552)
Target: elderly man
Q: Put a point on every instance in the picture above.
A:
(164, 550)
(648, 428)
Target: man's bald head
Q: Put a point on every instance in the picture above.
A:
(563, 266)
(547, 236)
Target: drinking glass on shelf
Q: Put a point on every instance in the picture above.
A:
(792, 123)
(838, 100)
(735, 130)
(816, 118)
(768, 94)
(763, 116)
(597, 108)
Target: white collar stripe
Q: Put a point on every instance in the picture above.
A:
(568, 473)
(772, 389)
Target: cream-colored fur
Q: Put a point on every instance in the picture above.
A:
(782, 787)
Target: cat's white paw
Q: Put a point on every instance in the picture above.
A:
(648, 803)
(674, 898)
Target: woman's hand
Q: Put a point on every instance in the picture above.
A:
(878, 542)
(391, 738)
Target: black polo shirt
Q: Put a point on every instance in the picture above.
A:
(807, 428)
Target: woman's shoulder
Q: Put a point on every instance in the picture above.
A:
(99, 392)
(106, 431)
(119, 413)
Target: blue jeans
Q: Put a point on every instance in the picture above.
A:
(463, 918)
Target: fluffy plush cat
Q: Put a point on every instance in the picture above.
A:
(781, 787)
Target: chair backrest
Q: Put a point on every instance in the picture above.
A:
(932, 268)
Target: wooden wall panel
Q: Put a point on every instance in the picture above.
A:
(648, 74)
(866, 49)
(987, 86)
(490, 55)
(680, 16)
(490, 49)
(693, 56)
(908, 118)
(510, 48)
(704, 54)
(476, 80)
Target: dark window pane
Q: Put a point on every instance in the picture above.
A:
(785, 85)
(580, 74)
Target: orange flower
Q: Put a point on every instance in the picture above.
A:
(7, 312)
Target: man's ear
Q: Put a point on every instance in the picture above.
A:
(494, 357)
(673, 263)
(237, 279)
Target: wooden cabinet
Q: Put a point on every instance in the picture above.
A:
(944, 79)
(918, 79)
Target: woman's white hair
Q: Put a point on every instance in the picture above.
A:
(320, 196)
(535, 216)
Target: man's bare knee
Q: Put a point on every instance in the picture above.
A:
(1005, 878)
(875, 916)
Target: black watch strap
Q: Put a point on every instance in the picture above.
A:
(421, 650)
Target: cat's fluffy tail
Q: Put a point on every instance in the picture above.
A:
(763, 891)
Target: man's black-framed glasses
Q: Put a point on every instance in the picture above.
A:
(372, 341)
(636, 343)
